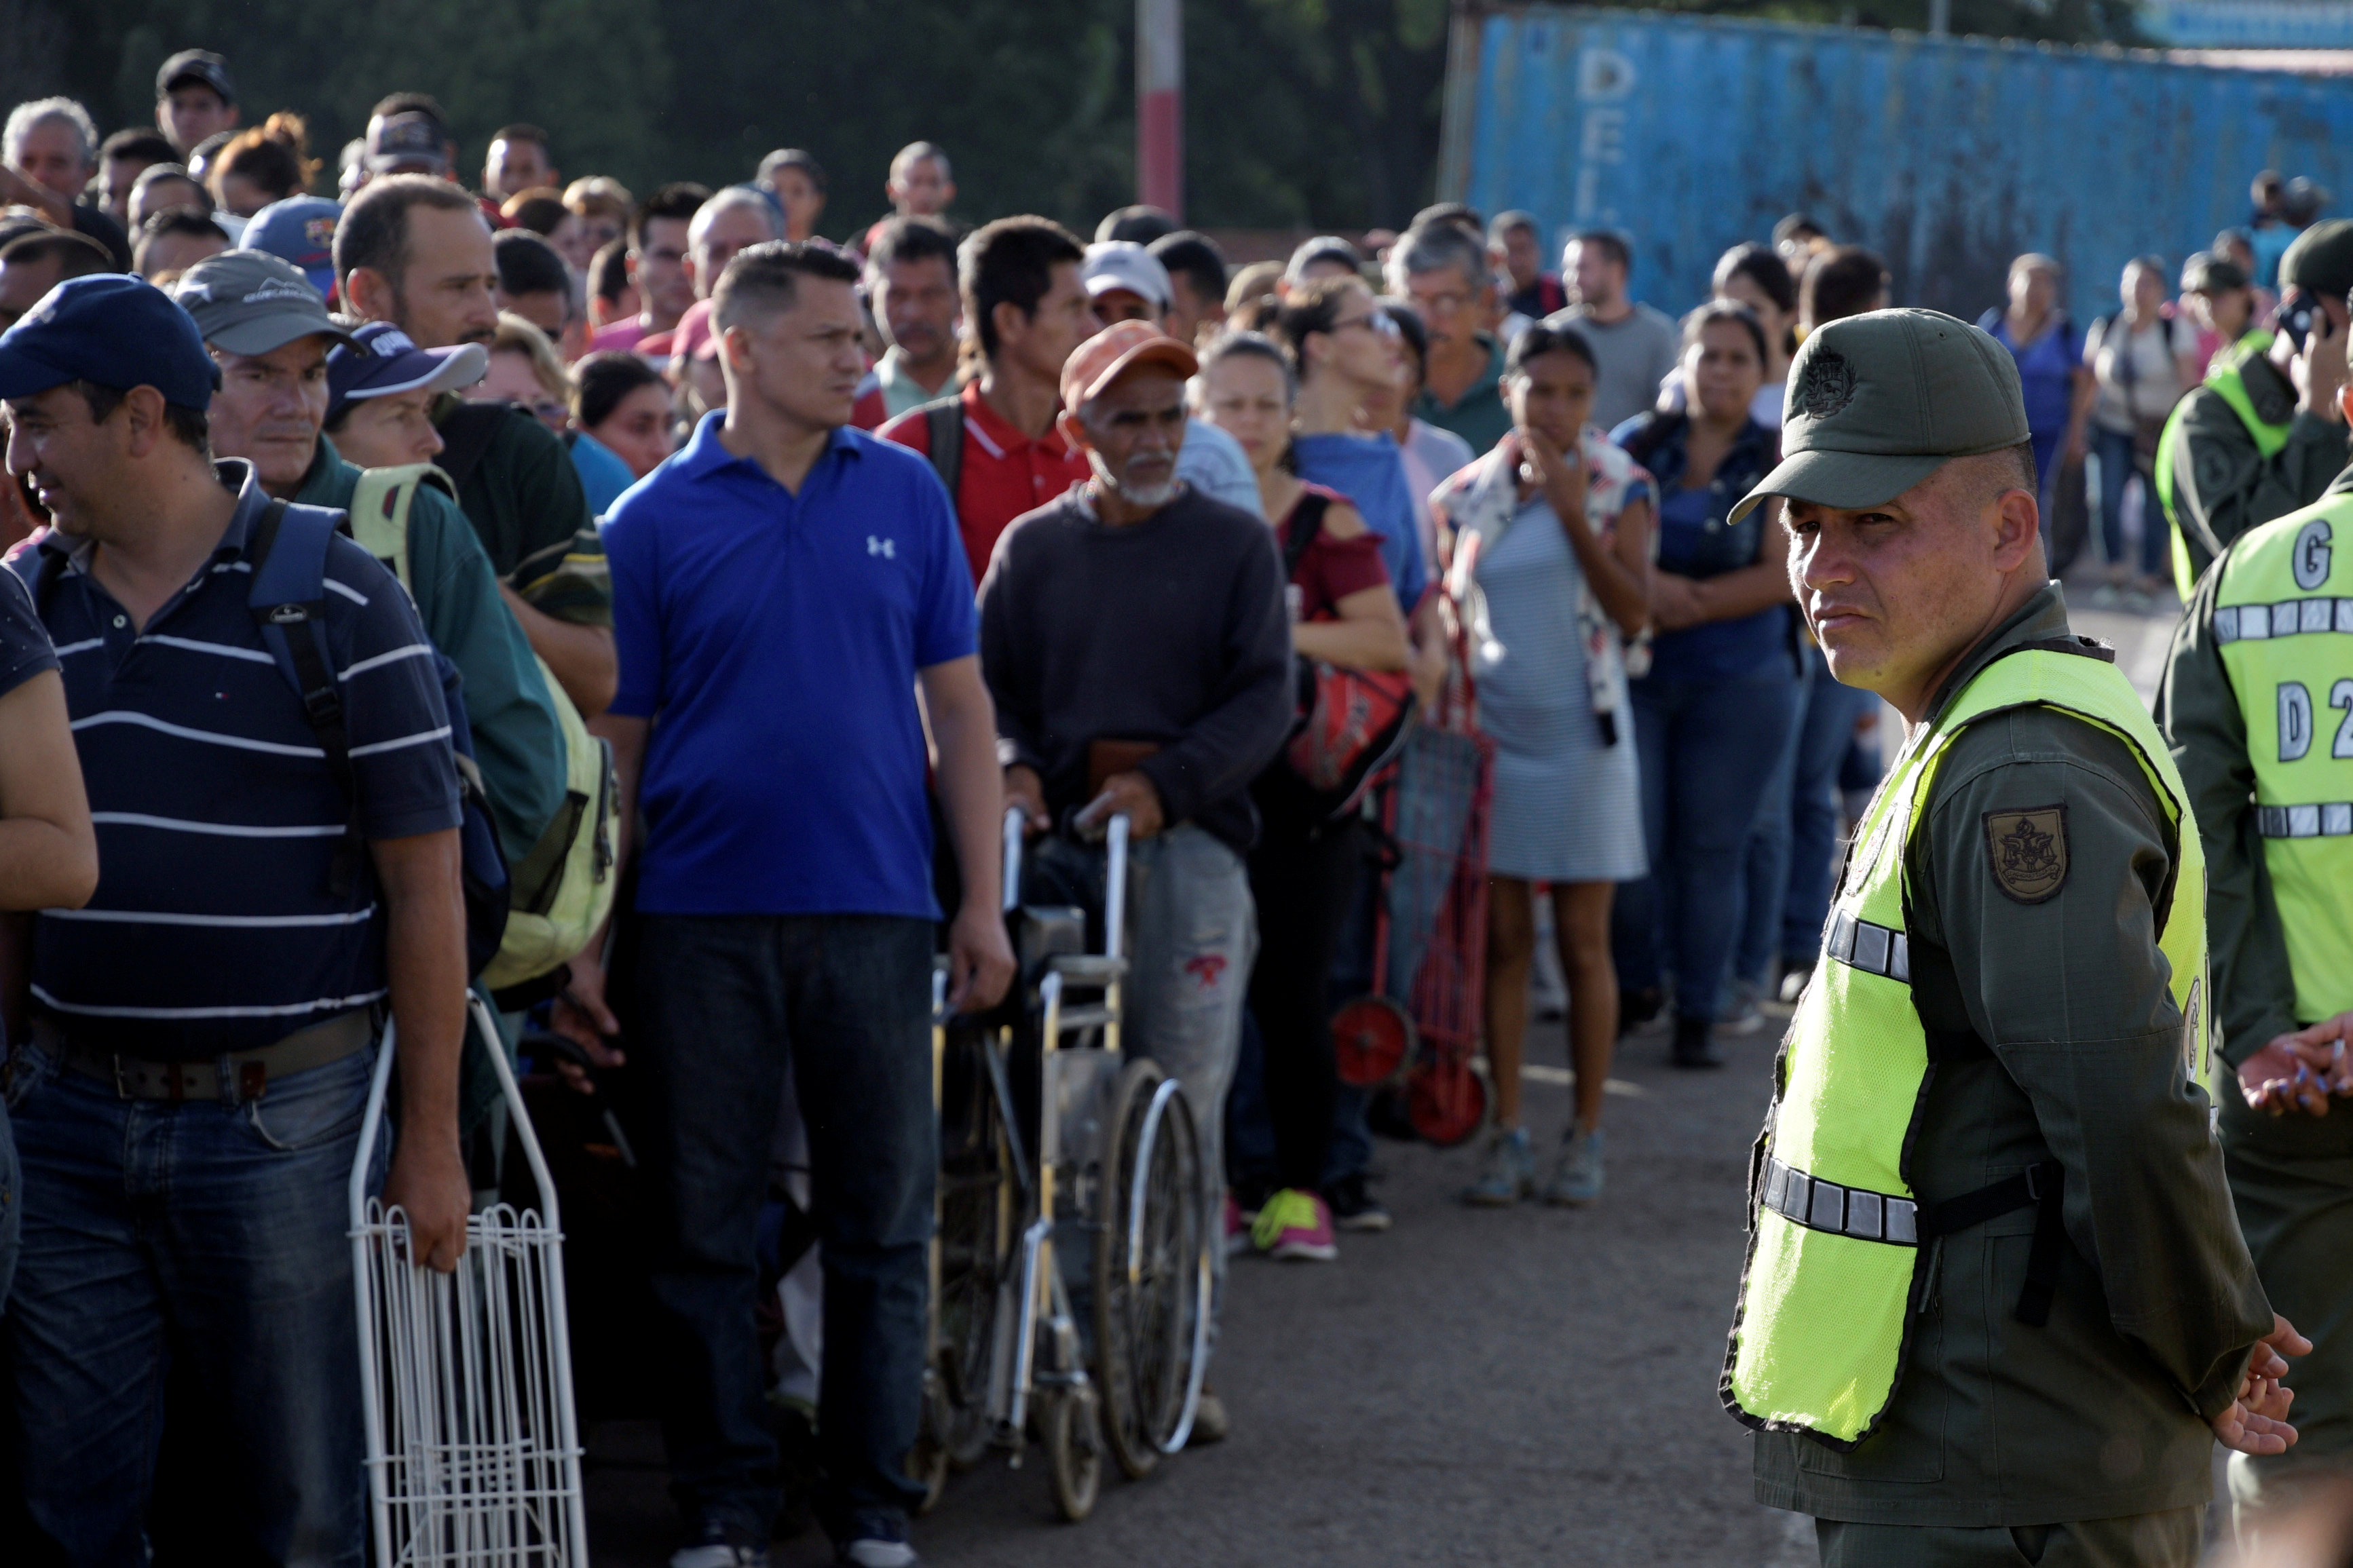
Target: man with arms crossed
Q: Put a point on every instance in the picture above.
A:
(1995, 1297)
(783, 585)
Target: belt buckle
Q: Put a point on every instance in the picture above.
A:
(2033, 1183)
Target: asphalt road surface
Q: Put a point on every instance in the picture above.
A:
(1532, 1385)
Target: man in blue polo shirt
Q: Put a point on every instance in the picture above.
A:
(187, 1098)
(781, 589)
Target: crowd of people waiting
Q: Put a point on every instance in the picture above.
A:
(840, 549)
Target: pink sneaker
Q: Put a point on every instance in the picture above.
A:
(1296, 1225)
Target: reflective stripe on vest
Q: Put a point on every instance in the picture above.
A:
(2283, 623)
(2226, 376)
(1834, 1250)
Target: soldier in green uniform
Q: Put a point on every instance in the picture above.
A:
(2264, 435)
(1996, 1307)
(2258, 706)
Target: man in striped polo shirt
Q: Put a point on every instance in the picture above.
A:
(187, 1098)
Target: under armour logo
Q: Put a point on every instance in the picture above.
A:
(1207, 967)
(887, 548)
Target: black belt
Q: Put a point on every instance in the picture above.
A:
(2042, 1186)
(238, 1077)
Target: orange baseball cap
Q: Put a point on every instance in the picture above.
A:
(1110, 353)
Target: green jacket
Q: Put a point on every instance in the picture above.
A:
(517, 741)
(2223, 478)
(1478, 415)
(525, 502)
(2103, 1411)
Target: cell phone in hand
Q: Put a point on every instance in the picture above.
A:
(2297, 313)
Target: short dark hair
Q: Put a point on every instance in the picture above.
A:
(679, 200)
(190, 426)
(1138, 223)
(1196, 258)
(148, 146)
(1842, 282)
(539, 210)
(1543, 338)
(1410, 326)
(1794, 224)
(530, 134)
(409, 103)
(608, 271)
(1460, 216)
(528, 264)
(155, 173)
(373, 230)
(794, 158)
(1010, 262)
(602, 379)
(1609, 242)
(1511, 221)
(1762, 266)
(1716, 311)
(912, 239)
(766, 276)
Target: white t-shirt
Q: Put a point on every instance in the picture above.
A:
(2137, 376)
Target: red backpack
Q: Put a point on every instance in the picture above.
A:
(1351, 723)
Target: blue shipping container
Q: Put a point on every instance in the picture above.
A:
(1948, 156)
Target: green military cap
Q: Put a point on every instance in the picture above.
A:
(1879, 402)
(2206, 273)
(2321, 261)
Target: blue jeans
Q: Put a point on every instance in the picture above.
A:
(727, 1005)
(207, 1230)
(2118, 463)
(1824, 735)
(1707, 747)
(1765, 864)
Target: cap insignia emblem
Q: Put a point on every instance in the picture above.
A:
(1827, 387)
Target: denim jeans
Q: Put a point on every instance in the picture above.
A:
(2118, 462)
(1825, 734)
(206, 1229)
(1707, 750)
(727, 1005)
(1764, 862)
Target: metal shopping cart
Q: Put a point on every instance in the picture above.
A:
(1070, 1260)
(473, 1456)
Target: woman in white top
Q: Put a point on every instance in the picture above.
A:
(2145, 358)
(1755, 276)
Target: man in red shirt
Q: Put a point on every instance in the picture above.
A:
(1024, 300)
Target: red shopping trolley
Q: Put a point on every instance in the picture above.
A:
(1420, 1029)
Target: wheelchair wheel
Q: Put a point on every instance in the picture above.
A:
(1151, 1270)
(1446, 1100)
(1067, 1420)
(1372, 1040)
(927, 1462)
(977, 1250)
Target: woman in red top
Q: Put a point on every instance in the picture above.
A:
(1304, 871)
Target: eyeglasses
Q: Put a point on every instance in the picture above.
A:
(1377, 323)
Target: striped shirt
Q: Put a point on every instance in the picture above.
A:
(216, 926)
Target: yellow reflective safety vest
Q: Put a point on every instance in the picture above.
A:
(2226, 377)
(2284, 625)
(1838, 1236)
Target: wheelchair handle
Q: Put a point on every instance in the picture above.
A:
(1011, 894)
(1115, 889)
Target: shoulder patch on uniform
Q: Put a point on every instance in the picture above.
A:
(2215, 468)
(2027, 851)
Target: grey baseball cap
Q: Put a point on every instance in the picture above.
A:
(1879, 402)
(250, 303)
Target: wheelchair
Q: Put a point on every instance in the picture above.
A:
(1069, 1259)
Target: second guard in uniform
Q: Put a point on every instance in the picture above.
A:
(2258, 703)
(2264, 432)
(1995, 1299)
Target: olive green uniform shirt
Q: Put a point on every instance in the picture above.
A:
(2103, 1410)
(2291, 1175)
(517, 744)
(2222, 479)
(525, 502)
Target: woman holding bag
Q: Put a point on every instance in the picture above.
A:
(1552, 564)
(1304, 871)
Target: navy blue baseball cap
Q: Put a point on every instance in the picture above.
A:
(299, 229)
(380, 360)
(112, 330)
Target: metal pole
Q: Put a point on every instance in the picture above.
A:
(1160, 104)
(1940, 17)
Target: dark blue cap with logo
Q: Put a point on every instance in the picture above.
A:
(112, 330)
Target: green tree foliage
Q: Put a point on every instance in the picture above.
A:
(1299, 112)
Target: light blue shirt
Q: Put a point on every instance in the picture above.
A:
(1213, 463)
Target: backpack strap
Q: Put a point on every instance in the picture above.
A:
(1299, 536)
(467, 433)
(289, 554)
(943, 427)
(378, 520)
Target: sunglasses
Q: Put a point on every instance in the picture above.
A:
(1377, 323)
